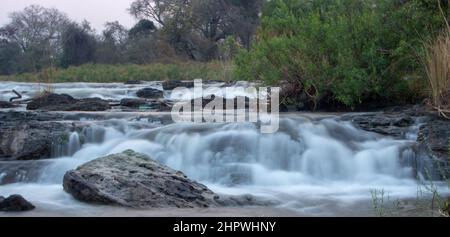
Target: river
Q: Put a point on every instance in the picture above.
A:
(315, 165)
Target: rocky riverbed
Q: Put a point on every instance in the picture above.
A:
(317, 164)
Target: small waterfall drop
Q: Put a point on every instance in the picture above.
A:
(74, 144)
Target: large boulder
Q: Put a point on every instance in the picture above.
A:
(172, 84)
(150, 93)
(64, 102)
(15, 203)
(134, 180)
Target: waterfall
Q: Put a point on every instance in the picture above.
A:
(305, 161)
(74, 144)
(303, 152)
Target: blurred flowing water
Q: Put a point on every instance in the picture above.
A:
(315, 165)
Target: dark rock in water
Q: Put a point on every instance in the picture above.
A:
(30, 136)
(15, 203)
(133, 82)
(133, 103)
(172, 84)
(388, 124)
(435, 137)
(151, 105)
(134, 180)
(7, 105)
(91, 104)
(150, 93)
(162, 106)
(51, 101)
(64, 102)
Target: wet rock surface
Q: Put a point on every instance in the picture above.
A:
(30, 136)
(7, 105)
(434, 132)
(435, 136)
(172, 84)
(133, 103)
(150, 93)
(15, 203)
(134, 180)
(64, 102)
(394, 125)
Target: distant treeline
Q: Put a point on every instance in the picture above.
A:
(168, 31)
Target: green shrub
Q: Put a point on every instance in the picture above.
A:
(355, 50)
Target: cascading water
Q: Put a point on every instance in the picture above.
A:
(74, 143)
(308, 159)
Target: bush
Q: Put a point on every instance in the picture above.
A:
(355, 51)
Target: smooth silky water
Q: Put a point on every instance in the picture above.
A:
(314, 165)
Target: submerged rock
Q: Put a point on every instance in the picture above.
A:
(7, 105)
(150, 93)
(133, 103)
(172, 84)
(134, 180)
(133, 82)
(15, 203)
(64, 102)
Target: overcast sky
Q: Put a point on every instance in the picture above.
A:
(95, 11)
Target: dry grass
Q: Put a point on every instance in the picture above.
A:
(215, 70)
(437, 64)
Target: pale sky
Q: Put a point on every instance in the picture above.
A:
(97, 12)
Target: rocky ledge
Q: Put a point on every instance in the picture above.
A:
(433, 135)
(30, 136)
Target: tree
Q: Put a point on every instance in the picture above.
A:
(158, 10)
(37, 31)
(113, 45)
(142, 29)
(196, 27)
(78, 45)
